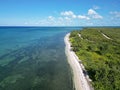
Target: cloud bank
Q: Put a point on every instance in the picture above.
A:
(70, 18)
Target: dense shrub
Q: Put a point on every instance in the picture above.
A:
(100, 56)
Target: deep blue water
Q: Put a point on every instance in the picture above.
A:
(33, 58)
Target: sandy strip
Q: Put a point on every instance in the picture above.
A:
(80, 82)
(105, 36)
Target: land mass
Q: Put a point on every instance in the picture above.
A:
(99, 51)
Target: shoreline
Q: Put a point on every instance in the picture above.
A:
(81, 82)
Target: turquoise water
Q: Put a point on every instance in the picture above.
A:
(33, 58)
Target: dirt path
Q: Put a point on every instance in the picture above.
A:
(105, 36)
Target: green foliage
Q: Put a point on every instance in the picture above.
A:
(100, 56)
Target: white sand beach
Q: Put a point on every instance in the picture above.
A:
(80, 81)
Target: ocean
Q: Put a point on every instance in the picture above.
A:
(33, 58)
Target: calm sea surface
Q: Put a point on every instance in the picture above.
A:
(33, 58)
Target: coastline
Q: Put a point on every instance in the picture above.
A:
(81, 82)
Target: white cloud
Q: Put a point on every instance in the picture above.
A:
(116, 14)
(70, 18)
(68, 14)
(55, 21)
(83, 17)
(51, 18)
(97, 16)
(92, 13)
(67, 18)
(74, 16)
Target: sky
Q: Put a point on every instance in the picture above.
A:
(59, 12)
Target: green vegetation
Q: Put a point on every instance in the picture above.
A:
(100, 56)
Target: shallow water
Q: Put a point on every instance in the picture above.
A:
(33, 58)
